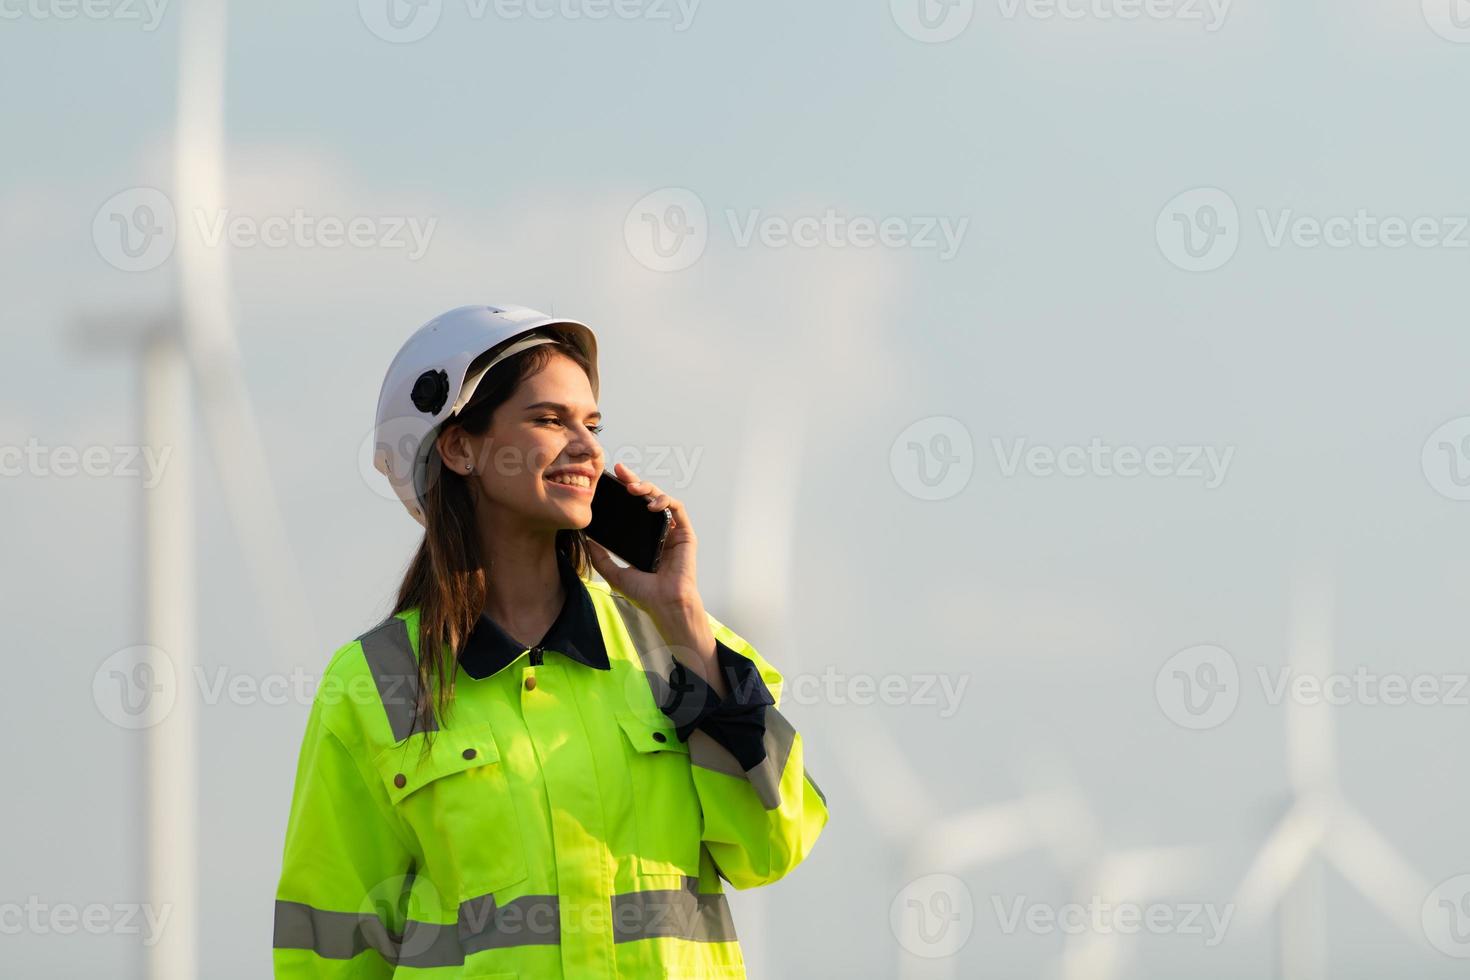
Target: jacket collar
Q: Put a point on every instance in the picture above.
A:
(575, 633)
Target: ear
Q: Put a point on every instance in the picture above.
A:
(454, 448)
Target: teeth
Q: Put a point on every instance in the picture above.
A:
(571, 480)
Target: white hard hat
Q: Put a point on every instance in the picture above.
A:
(431, 380)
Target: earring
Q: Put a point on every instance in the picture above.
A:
(469, 468)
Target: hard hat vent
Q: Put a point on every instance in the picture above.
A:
(431, 391)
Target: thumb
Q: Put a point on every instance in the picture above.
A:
(606, 567)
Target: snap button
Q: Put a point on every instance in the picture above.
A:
(659, 737)
(530, 683)
(469, 753)
(400, 780)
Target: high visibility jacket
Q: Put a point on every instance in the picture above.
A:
(571, 818)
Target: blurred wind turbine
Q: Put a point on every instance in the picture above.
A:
(1319, 821)
(774, 455)
(196, 343)
(762, 560)
(1114, 877)
(208, 332)
(908, 818)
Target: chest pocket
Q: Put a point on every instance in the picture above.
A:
(457, 799)
(670, 822)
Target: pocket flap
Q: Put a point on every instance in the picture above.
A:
(404, 767)
(652, 734)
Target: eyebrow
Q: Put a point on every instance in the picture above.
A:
(559, 407)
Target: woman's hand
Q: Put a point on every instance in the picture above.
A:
(670, 594)
(674, 583)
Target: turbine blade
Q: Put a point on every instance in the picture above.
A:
(1137, 874)
(1281, 859)
(1094, 956)
(236, 446)
(979, 836)
(763, 525)
(1378, 871)
(1064, 819)
(1309, 727)
(885, 782)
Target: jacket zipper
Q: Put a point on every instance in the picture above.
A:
(536, 656)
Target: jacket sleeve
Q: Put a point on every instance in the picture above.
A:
(762, 810)
(346, 869)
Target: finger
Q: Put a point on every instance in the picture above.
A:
(681, 515)
(660, 501)
(633, 484)
(629, 478)
(604, 564)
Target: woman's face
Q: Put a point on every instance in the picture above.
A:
(545, 430)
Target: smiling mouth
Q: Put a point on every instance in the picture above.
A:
(569, 480)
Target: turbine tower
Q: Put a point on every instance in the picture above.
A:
(190, 355)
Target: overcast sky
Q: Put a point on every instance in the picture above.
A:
(1023, 345)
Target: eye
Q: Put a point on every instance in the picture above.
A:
(556, 421)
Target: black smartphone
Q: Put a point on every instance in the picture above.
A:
(623, 524)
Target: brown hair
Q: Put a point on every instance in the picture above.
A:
(446, 578)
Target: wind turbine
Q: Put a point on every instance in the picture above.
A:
(774, 455)
(908, 817)
(1113, 876)
(1132, 875)
(192, 351)
(1320, 823)
(762, 557)
(1052, 815)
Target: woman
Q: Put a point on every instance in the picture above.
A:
(525, 772)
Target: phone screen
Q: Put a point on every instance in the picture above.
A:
(623, 524)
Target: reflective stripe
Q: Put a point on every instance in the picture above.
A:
(820, 795)
(531, 920)
(389, 654)
(765, 776)
(704, 751)
(331, 935)
(653, 652)
(679, 913)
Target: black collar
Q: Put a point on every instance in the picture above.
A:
(575, 633)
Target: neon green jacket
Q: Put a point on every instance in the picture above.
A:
(563, 824)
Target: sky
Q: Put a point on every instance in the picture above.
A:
(1046, 353)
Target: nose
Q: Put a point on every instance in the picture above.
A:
(584, 444)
